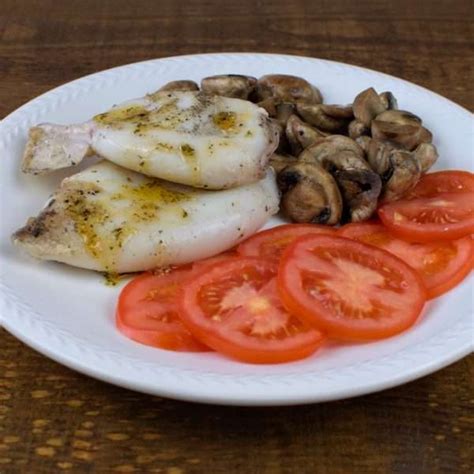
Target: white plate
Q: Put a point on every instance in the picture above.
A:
(68, 314)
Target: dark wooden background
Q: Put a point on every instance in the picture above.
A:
(54, 420)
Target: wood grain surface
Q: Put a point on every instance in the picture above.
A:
(54, 420)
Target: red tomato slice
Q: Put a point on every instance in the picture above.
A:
(442, 265)
(447, 216)
(350, 290)
(147, 311)
(271, 243)
(206, 262)
(234, 308)
(450, 181)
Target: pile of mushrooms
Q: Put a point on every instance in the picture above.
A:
(334, 163)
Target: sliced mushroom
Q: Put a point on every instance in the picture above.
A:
(360, 192)
(338, 111)
(378, 156)
(183, 85)
(284, 111)
(286, 88)
(329, 118)
(283, 145)
(398, 126)
(357, 129)
(406, 172)
(425, 135)
(281, 111)
(310, 194)
(330, 146)
(400, 117)
(269, 105)
(343, 158)
(278, 161)
(364, 142)
(367, 105)
(389, 100)
(229, 85)
(426, 154)
(406, 136)
(300, 135)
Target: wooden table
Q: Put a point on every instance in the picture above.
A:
(54, 420)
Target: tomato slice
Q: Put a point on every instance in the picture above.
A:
(206, 262)
(234, 308)
(447, 216)
(442, 265)
(147, 311)
(350, 290)
(271, 243)
(449, 181)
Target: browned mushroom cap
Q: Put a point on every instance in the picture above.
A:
(310, 194)
(329, 118)
(360, 192)
(406, 172)
(229, 85)
(389, 100)
(426, 154)
(398, 126)
(301, 135)
(367, 105)
(179, 86)
(278, 161)
(285, 88)
(357, 129)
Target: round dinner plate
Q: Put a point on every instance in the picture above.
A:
(67, 314)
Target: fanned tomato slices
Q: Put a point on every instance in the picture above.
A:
(350, 290)
(272, 242)
(147, 311)
(442, 265)
(234, 308)
(446, 216)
